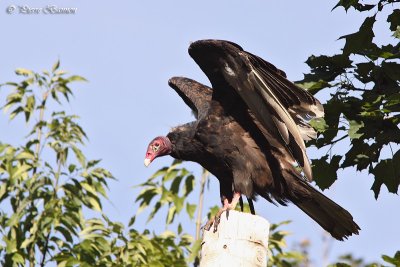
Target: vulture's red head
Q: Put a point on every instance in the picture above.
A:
(159, 146)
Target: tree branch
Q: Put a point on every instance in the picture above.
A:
(204, 177)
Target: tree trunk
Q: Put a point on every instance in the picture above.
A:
(242, 240)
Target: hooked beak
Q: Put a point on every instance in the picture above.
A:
(147, 162)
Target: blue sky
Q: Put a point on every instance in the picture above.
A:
(129, 49)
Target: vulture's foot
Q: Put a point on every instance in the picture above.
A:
(227, 207)
(241, 204)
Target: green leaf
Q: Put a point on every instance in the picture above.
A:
(14, 219)
(339, 264)
(364, 71)
(346, 4)
(15, 112)
(25, 155)
(194, 251)
(145, 196)
(3, 191)
(314, 86)
(60, 72)
(171, 174)
(189, 185)
(160, 172)
(394, 20)
(396, 33)
(171, 215)
(361, 154)
(325, 68)
(329, 125)
(24, 72)
(27, 241)
(319, 124)
(93, 163)
(79, 155)
(55, 66)
(392, 70)
(153, 212)
(11, 245)
(21, 170)
(30, 107)
(178, 202)
(355, 126)
(190, 209)
(71, 168)
(18, 258)
(95, 203)
(167, 234)
(175, 184)
(325, 173)
(75, 78)
(357, 42)
(387, 172)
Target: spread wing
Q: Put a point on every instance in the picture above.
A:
(280, 106)
(196, 95)
(300, 104)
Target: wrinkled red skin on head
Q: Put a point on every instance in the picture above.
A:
(159, 146)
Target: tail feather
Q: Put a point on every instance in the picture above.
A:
(329, 215)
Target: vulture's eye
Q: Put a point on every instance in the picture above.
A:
(156, 146)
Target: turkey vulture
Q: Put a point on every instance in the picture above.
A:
(249, 132)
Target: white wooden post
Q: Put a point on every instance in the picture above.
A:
(242, 240)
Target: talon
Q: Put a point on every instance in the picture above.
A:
(208, 225)
(217, 220)
(241, 204)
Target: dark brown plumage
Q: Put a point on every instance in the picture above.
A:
(249, 133)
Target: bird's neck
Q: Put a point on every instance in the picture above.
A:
(184, 145)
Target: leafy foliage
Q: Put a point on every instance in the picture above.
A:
(277, 255)
(349, 261)
(395, 260)
(363, 82)
(47, 186)
(173, 182)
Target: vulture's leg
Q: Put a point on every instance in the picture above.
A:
(251, 205)
(227, 207)
(241, 203)
(231, 206)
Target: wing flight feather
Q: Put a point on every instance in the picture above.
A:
(278, 104)
(196, 95)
